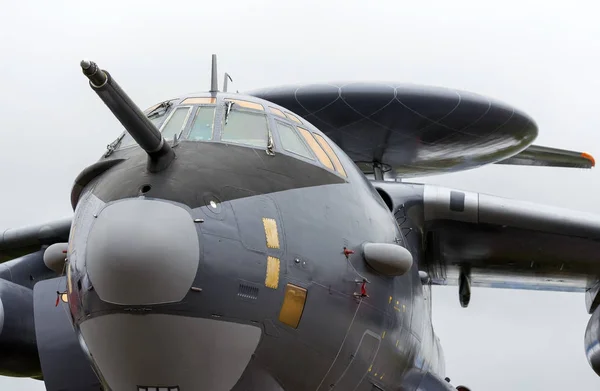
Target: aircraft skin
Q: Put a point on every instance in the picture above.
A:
(317, 214)
(240, 248)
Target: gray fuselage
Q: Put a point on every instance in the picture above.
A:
(241, 268)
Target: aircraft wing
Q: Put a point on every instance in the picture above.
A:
(536, 155)
(17, 242)
(500, 242)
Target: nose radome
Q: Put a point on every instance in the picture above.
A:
(142, 252)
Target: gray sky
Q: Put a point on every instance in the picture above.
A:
(540, 56)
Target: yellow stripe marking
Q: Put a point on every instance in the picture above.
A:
(371, 367)
(390, 300)
(403, 308)
(271, 232)
(397, 342)
(383, 335)
(272, 278)
(381, 378)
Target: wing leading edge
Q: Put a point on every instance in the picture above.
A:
(17, 242)
(502, 243)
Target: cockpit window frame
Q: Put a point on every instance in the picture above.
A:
(192, 120)
(242, 109)
(243, 104)
(333, 157)
(293, 118)
(117, 144)
(312, 143)
(279, 147)
(184, 124)
(200, 101)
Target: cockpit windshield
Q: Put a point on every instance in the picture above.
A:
(176, 122)
(246, 127)
(242, 122)
(202, 125)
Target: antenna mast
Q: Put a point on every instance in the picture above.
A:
(214, 84)
(225, 81)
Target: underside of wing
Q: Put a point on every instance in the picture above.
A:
(405, 130)
(502, 243)
(17, 242)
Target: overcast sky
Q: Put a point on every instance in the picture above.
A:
(540, 56)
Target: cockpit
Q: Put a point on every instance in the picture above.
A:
(239, 120)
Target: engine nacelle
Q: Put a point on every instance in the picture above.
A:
(592, 341)
(18, 348)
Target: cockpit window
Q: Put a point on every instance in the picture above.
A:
(176, 122)
(157, 112)
(290, 141)
(245, 127)
(277, 112)
(157, 121)
(310, 140)
(199, 101)
(330, 152)
(202, 127)
(245, 104)
(293, 118)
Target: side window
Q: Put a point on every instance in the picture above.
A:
(293, 118)
(290, 141)
(330, 152)
(199, 101)
(245, 104)
(202, 127)
(176, 122)
(158, 113)
(157, 121)
(312, 143)
(277, 112)
(245, 127)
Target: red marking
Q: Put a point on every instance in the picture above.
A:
(57, 299)
(64, 251)
(363, 289)
(348, 252)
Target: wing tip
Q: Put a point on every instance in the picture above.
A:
(589, 157)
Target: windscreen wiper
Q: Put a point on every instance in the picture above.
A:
(155, 111)
(229, 104)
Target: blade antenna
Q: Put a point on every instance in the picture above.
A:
(214, 84)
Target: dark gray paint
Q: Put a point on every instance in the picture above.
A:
(414, 130)
(160, 153)
(26, 270)
(64, 364)
(318, 214)
(326, 348)
(18, 350)
(20, 241)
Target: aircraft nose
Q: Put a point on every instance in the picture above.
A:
(142, 252)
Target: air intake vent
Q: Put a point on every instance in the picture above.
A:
(158, 388)
(248, 292)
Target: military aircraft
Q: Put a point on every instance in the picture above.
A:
(272, 241)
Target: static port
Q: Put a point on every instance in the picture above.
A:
(146, 188)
